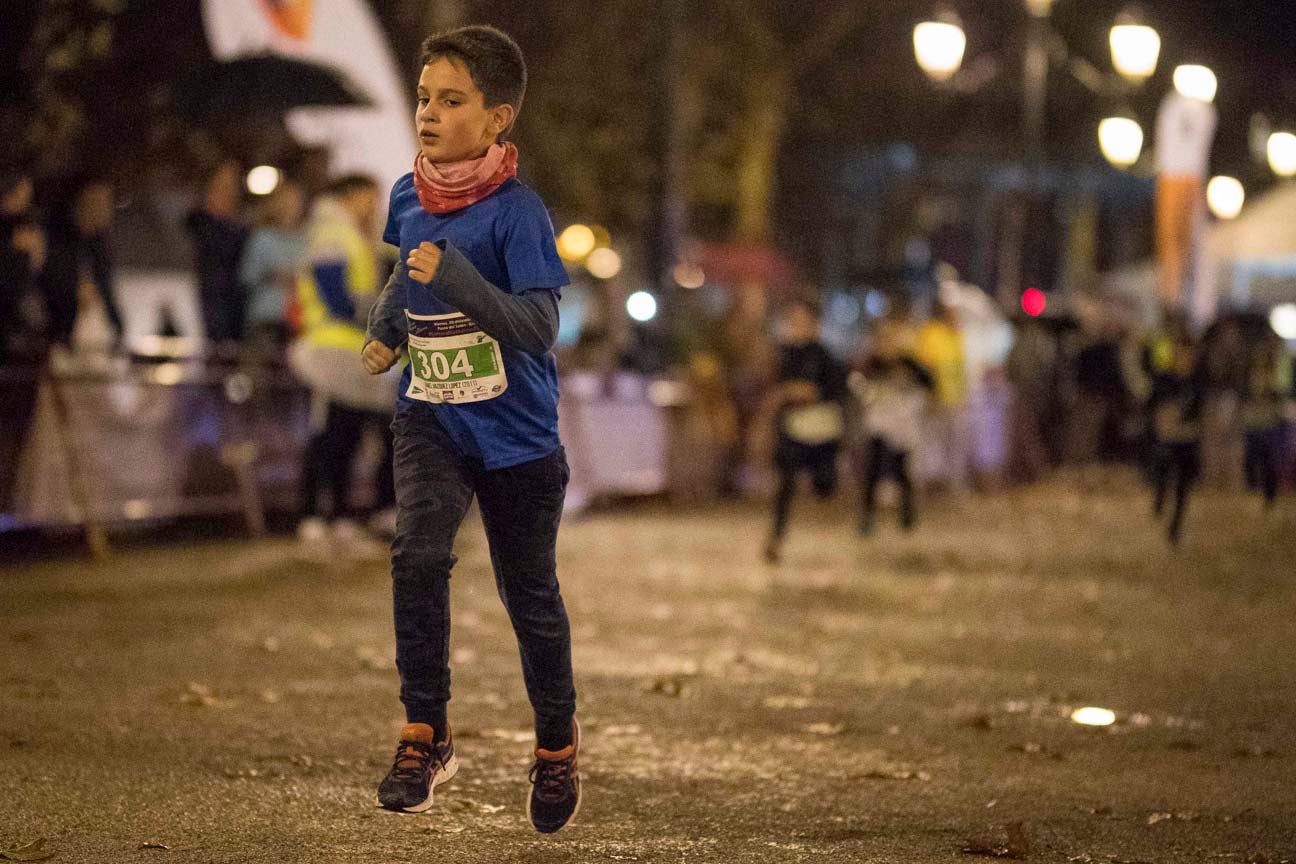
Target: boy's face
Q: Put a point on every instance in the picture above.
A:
(453, 121)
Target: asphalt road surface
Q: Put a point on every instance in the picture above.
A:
(895, 699)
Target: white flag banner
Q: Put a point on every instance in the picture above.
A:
(377, 139)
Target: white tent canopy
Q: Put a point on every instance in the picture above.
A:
(1254, 256)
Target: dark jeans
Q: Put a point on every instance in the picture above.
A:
(521, 507)
(886, 461)
(328, 458)
(791, 458)
(1262, 451)
(1175, 466)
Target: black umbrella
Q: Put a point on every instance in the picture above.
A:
(262, 84)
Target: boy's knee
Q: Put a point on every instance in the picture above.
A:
(420, 558)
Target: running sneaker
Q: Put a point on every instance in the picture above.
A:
(555, 786)
(419, 767)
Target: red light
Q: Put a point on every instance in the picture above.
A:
(1034, 302)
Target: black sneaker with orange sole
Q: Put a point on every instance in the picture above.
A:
(555, 794)
(421, 765)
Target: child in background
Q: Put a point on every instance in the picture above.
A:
(808, 418)
(894, 392)
(1175, 410)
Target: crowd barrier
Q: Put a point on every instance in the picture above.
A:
(98, 441)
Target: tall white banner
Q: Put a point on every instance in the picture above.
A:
(378, 139)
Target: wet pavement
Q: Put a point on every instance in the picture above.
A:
(895, 699)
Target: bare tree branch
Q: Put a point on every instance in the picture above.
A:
(830, 31)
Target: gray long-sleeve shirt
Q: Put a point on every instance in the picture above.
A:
(527, 321)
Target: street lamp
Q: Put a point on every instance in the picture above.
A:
(1225, 196)
(1135, 48)
(1282, 154)
(603, 263)
(1121, 139)
(1196, 82)
(263, 179)
(576, 241)
(939, 46)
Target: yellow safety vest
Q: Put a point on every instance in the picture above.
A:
(332, 236)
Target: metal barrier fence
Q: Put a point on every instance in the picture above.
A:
(98, 440)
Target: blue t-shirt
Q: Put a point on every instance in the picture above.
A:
(509, 239)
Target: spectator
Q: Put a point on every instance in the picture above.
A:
(940, 350)
(77, 282)
(270, 263)
(1032, 371)
(22, 256)
(337, 289)
(1263, 404)
(218, 238)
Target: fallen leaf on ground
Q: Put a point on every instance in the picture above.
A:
(36, 850)
(1015, 843)
(666, 687)
(893, 774)
(1182, 816)
(198, 695)
(978, 721)
(1033, 747)
(779, 703)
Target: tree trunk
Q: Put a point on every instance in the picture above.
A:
(760, 135)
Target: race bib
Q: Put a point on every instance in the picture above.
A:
(815, 424)
(452, 360)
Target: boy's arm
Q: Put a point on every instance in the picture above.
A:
(387, 323)
(527, 322)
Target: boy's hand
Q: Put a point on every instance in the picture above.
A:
(423, 261)
(377, 358)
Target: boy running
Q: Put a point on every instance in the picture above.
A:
(475, 304)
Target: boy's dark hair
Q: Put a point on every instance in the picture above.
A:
(493, 59)
(348, 183)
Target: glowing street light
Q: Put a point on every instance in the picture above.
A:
(641, 306)
(1196, 82)
(1225, 196)
(603, 263)
(263, 179)
(575, 242)
(1282, 319)
(1034, 302)
(1134, 48)
(690, 276)
(1121, 140)
(939, 46)
(1282, 154)
(1090, 716)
